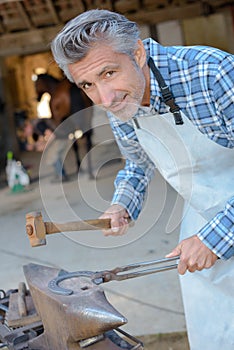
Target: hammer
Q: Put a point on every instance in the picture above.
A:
(37, 229)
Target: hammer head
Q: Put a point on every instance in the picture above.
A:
(35, 229)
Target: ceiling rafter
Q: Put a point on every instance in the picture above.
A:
(167, 14)
(25, 24)
(23, 14)
(53, 11)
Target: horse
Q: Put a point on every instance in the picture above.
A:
(66, 100)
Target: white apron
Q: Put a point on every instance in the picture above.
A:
(202, 172)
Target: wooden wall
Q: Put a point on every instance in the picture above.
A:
(214, 30)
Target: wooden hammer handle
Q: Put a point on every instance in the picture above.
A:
(52, 227)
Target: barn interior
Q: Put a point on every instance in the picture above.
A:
(26, 30)
(28, 26)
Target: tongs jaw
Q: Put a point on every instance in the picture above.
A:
(120, 274)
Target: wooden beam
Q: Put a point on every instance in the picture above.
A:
(10, 18)
(1, 28)
(23, 15)
(219, 3)
(52, 11)
(168, 14)
(69, 9)
(37, 40)
(34, 40)
(123, 6)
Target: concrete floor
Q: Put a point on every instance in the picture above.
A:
(152, 304)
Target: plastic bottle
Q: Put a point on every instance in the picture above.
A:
(9, 168)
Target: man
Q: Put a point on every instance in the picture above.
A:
(172, 107)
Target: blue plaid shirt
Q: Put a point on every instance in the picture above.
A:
(202, 82)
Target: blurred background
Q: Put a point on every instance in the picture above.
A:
(28, 26)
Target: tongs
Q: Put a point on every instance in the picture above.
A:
(120, 274)
(117, 274)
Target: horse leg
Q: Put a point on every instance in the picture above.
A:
(89, 145)
(76, 151)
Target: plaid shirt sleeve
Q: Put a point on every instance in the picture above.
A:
(218, 234)
(132, 182)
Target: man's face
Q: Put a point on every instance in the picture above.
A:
(112, 80)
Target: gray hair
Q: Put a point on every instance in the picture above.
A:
(78, 36)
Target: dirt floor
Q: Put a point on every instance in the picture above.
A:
(171, 341)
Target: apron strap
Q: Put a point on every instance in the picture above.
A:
(166, 93)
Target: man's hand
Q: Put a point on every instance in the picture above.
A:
(194, 255)
(119, 220)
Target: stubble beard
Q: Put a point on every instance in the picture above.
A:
(131, 108)
(127, 112)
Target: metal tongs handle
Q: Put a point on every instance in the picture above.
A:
(120, 274)
(117, 274)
